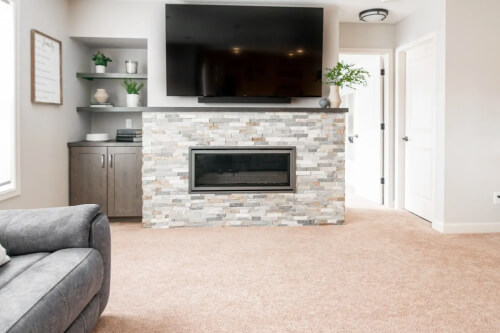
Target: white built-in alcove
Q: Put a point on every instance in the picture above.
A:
(119, 50)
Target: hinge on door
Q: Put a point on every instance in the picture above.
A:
(382, 126)
(382, 180)
(382, 72)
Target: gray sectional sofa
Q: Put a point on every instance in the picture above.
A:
(59, 274)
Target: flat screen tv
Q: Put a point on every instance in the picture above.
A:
(243, 51)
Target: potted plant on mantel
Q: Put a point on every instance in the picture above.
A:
(132, 88)
(101, 61)
(343, 76)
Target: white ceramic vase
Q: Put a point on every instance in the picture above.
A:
(100, 69)
(334, 97)
(131, 66)
(132, 100)
(101, 96)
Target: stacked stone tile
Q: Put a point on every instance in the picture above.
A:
(318, 138)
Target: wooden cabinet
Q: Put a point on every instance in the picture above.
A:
(89, 176)
(124, 181)
(107, 174)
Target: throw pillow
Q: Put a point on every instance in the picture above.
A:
(4, 258)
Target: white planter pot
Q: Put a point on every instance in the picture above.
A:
(132, 100)
(334, 97)
(101, 96)
(100, 69)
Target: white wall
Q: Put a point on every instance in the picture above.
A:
(96, 18)
(468, 117)
(44, 129)
(109, 122)
(367, 35)
(472, 115)
(430, 20)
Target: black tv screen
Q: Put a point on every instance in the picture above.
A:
(243, 51)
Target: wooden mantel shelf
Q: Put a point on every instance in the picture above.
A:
(211, 109)
(109, 143)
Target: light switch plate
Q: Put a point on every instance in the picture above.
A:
(496, 198)
(128, 123)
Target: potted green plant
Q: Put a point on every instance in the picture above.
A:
(132, 88)
(101, 61)
(343, 75)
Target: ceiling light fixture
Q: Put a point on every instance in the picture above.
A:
(373, 15)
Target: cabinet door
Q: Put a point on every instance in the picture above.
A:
(88, 176)
(125, 181)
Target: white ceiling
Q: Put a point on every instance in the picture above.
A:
(348, 9)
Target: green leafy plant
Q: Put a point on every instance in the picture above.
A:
(132, 87)
(100, 59)
(345, 75)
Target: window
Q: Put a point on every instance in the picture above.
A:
(8, 115)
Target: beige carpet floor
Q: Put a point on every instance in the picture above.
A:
(383, 271)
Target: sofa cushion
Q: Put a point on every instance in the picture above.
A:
(51, 294)
(25, 231)
(17, 265)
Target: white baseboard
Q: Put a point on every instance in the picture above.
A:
(466, 228)
(438, 225)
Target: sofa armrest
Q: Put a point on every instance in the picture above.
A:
(100, 239)
(25, 231)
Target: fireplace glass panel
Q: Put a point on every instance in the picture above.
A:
(242, 170)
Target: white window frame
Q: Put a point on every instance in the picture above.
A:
(13, 189)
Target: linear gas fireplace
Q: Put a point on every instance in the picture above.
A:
(235, 169)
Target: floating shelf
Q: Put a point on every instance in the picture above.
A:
(209, 109)
(111, 76)
(112, 109)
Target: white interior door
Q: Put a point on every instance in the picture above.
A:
(419, 130)
(364, 145)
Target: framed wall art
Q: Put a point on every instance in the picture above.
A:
(46, 69)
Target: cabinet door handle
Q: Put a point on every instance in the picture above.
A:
(110, 160)
(103, 161)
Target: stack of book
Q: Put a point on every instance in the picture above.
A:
(129, 135)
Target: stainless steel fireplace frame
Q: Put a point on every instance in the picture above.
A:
(242, 150)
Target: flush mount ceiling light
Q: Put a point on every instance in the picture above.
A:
(373, 15)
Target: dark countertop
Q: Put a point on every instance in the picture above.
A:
(212, 109)
(110, 143)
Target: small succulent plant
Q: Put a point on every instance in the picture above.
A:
(131, 86)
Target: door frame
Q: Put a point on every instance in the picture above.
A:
(388, 149)
(400, 120)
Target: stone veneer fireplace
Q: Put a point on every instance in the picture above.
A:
(295, 176)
